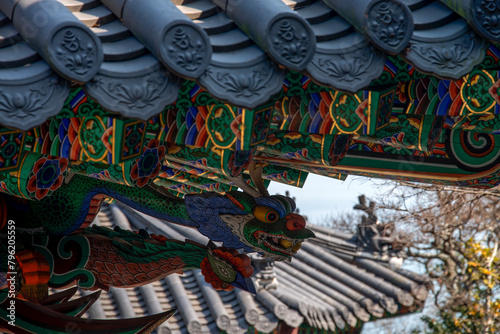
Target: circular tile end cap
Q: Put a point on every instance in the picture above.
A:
(75, 53)
(186, 50)
(389, 25)
(291, 42)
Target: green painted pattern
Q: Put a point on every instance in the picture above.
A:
(65, 209)
(136, 249)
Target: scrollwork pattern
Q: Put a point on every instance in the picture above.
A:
(475, 92)
(341, 111)
(473, 151)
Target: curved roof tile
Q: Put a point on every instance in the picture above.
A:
(239, 72)
(9, 35)
(481, 15)
(30, 94)
(95, 15)
(138, 88)
(130, 81)
(111, 32)
(318, 290)
(17, 55)
(71, 49)
(344, 59)
(275, 28)
(443, 43)
(171, 37)
(129, 54)
(433, 15)
(30, 90)
(348, 279)
(387, 24)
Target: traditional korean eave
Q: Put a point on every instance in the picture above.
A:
(132, 56)
(318, 290)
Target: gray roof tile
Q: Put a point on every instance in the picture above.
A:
(446, 32)
(322, 299)
(215, 24)
(125, 49)
(3, 18)
(332, 29)
(391, 36)
(296, 4)
(95, 16)
(111, 32)
(443, 43)
(123, 302)
(479, 15)
(283, 34)
(432, 16)
(347, 278)
(328, 293)
(316, 13)
(24, 85)
(231, 40)
(17, 55)
(63, 41)
(343, 58)
(199, 9)
(80, 5)
(161, 90)
(346, 56)
(8, 35)
(179, 44)
(416, 4)
(267, 321)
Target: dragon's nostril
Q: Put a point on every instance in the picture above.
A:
(295, 222)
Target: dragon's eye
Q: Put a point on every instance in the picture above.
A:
(265, 214)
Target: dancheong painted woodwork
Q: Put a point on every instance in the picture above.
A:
(170, 106)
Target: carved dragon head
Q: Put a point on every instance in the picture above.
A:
(264, 224)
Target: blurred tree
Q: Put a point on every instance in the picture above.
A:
(455, 234)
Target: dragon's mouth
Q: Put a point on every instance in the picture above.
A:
(278, 243)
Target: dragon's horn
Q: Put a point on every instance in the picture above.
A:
(240, 183)
(256, 176)
(255, 171)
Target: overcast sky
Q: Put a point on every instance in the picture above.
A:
(322, 195)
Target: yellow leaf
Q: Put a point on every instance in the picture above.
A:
(486, 271)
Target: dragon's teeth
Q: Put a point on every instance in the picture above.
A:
(286, 243)
(296, 247)
(261, 238)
